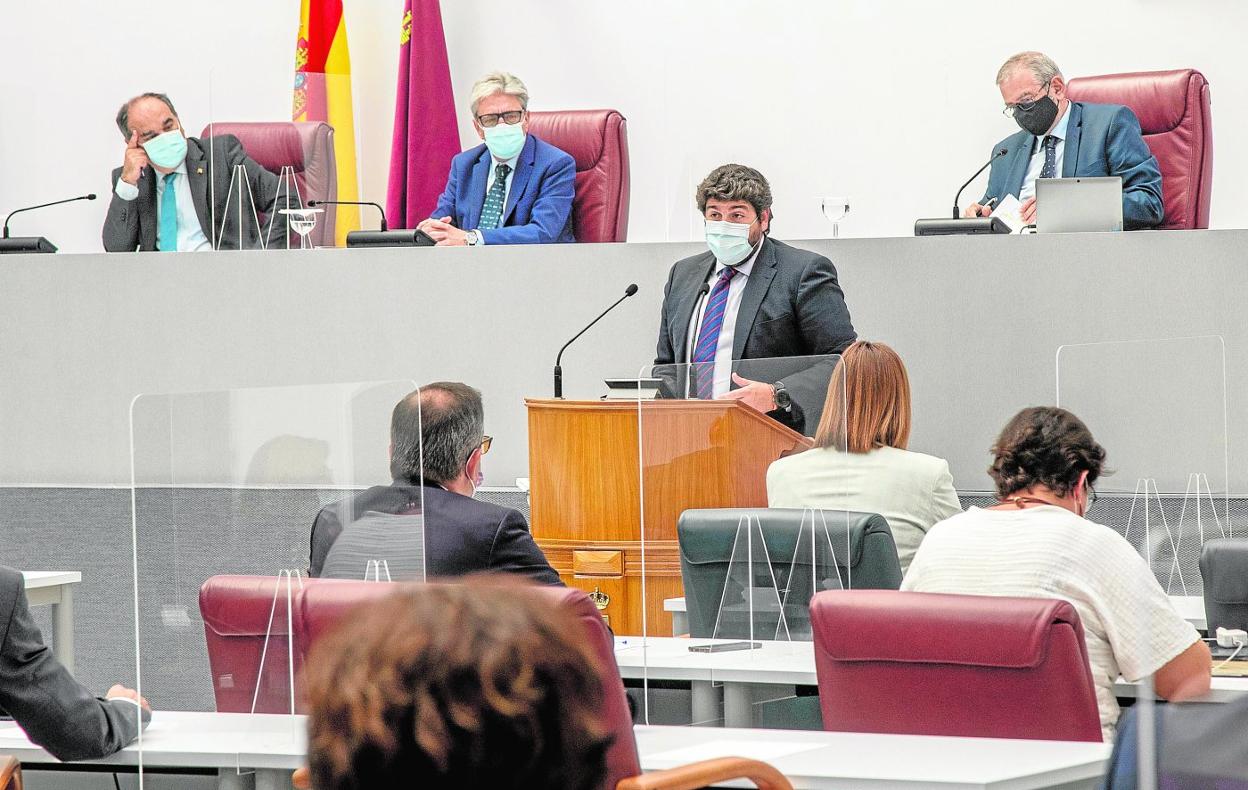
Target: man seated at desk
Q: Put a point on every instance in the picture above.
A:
(1067, 139)
(511, 189)
(171, 189)
(443, 424)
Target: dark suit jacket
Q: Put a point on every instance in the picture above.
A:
(462, 535)
(792, 306)
(132, 224)
(539, 205)
(1101, 140)
(56, 711)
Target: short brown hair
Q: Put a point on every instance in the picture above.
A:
(1044, 445)
(868, 403)
(476, 685)
(735, 182)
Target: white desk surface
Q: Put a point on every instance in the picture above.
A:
(1191, 607)
(37, 579)
(177, 739)
(810, 759)
(859, 760)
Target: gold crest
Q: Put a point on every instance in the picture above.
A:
(600, 599)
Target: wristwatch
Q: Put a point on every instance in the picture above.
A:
(473, 238)
(781, 396)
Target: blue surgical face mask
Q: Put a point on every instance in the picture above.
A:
(505, 140)
(166, 150)
(730, 241)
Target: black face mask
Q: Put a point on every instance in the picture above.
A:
(1039, 117)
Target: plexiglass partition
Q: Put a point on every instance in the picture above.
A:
(728, 581)
(241, 500)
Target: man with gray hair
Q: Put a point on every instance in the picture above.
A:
(511, 189)
(437, 441)
(1061, 138)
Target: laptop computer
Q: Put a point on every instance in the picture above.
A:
(1078, 205)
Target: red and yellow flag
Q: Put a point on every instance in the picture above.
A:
(323, 93)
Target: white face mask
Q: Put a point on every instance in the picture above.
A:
(729, 241)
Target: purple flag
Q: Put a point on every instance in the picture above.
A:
(426, 134)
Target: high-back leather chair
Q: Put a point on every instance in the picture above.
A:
(598, 141)
(307, 147)
(248, 640)
(10, 773)
(1224, 571)
(790, 551)
(324, 605)
(1173, 108)
(967, 665)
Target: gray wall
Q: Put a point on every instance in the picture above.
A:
(978, 321)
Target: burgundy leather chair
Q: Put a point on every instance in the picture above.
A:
(598, 141)
(969, 665)
(308, 148)
(1173, 108)
(323, 605)
(236, 612)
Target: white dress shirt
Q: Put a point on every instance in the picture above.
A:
(489, 182)
(723, 352)
(1037, 156)
(191, 236)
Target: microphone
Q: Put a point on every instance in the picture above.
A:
(698, 306)
(958, 197)
(315, 203)
(629, 291)
(43, 205)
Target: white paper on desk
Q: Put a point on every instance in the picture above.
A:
(754, 750)
(1011, 213)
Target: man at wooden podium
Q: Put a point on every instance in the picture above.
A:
(750, 297)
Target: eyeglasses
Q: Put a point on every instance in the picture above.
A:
(1008, 110)
(484, 447)
(491, 119)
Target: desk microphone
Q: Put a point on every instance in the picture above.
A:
(958, 197)
(698, 306)
(629, 291)
(43, 205)
(315, 203)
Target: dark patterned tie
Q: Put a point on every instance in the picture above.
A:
(492, 211)
(708, 335)
(1050, 157)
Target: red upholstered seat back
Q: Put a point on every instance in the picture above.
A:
(1173, 108)
(241, 614)
(324, 605)
(308, 148)
(598, 141)
(931, 664)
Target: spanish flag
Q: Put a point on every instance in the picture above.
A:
(323, 93)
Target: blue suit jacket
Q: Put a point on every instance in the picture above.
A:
(1101, 140)
(539, 206)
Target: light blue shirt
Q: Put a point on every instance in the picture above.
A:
(1037, 155)
(489, 182)
(191, 236)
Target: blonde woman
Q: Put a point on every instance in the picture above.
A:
(860, 461)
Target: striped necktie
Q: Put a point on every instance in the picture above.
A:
(167, 236)
(492, 211)
(708, 334)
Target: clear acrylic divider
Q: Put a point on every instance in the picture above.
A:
(727, 582)
(237, 496)
(1159, 408)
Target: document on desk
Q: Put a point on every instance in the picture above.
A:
(1011, 213)
(754, 750)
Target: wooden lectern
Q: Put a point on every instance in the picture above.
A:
(586, 495)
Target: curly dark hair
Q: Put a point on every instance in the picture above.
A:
(735, 182)
(1048, 446)
(475, 685)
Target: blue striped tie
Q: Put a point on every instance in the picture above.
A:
(708, 335)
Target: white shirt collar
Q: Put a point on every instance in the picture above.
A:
(494, 163)
(743, 269)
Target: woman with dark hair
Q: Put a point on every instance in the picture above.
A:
(860, 461)
(1037, 543)
(474, 685)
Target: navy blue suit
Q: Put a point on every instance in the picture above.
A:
(539, 206)
(1101, 140)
